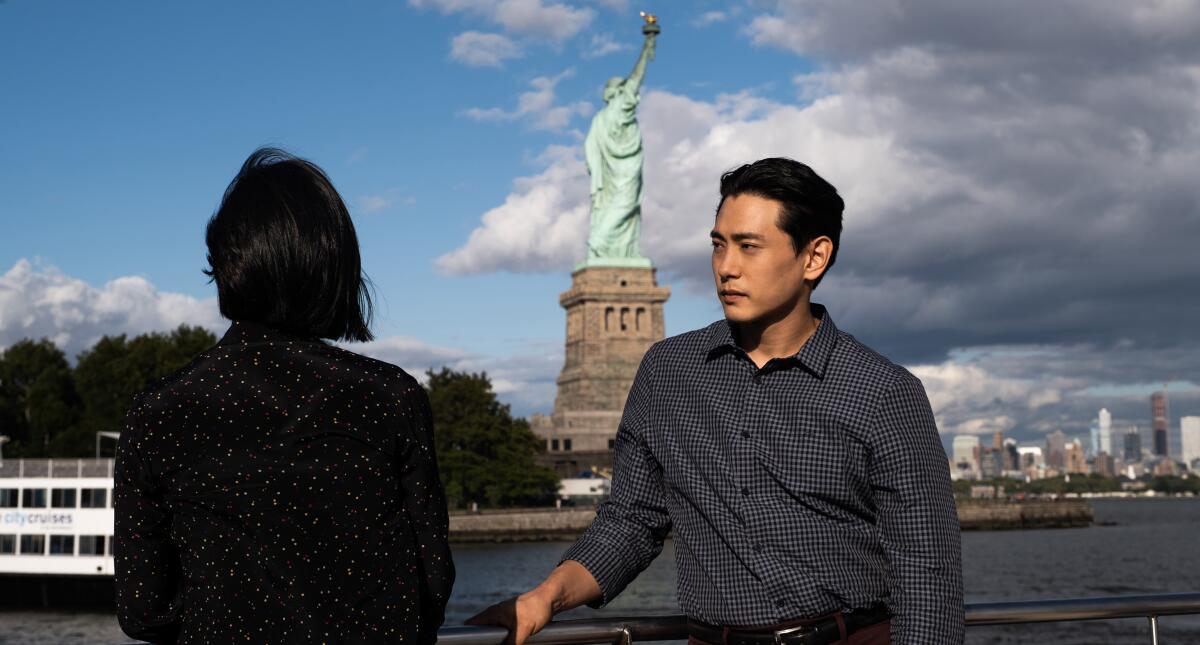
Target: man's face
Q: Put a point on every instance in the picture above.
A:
(759, 275)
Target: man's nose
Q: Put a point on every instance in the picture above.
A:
(728, 266)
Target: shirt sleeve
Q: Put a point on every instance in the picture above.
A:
(425, 507)
(148, 590)
(630, 526)
(918, 522)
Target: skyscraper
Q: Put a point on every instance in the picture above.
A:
(1189, 433)
(966, 453)
(1105, 431)
(1133, 445)
(1074, 459)
(1158, 410)
(1056, 449)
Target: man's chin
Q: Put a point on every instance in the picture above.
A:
(737, 314)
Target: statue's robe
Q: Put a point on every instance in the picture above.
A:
(613, 149)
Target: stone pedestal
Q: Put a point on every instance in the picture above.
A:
(614, 314)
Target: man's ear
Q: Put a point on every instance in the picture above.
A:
(817, 257)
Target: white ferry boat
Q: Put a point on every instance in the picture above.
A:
(56, 529)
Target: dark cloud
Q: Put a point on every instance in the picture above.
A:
(1016, 175)
(1062, 140)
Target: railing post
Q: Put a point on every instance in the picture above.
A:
(1153, 629)
(626, 637)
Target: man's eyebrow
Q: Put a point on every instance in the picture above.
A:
(739, 237)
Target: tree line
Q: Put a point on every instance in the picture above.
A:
(49, 408)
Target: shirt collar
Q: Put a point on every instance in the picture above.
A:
(813, 355)
(242, 332)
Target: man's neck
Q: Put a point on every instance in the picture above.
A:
(779, 338)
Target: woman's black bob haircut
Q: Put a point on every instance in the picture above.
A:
(283, 252)
(809, 206)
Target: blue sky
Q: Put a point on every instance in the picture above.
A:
(128, 121)
(953, 132)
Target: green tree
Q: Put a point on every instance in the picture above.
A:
(1173, 485)
(484, 454)
(37, 397)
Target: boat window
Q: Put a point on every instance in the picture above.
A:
(62, 545)
(93, 498)
(33, 498)
(8, 544)
(91, 545)
(62, 498)
(110, 541)
(8, 498)
(33, 545)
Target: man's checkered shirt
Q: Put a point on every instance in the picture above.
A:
(813, 484)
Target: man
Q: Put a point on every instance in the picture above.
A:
(802, 472)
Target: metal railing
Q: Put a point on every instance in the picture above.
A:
(56, 468)
(663, 628)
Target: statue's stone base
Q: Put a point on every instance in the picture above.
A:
(615, 263)
(614, 314)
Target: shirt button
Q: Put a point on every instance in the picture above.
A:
(745, 434)
(758, 547)
(781, 603)
(745, 492)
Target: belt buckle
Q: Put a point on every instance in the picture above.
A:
(802, 630)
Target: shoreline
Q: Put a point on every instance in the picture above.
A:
(546, 525)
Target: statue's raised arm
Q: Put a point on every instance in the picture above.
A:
(650, 29)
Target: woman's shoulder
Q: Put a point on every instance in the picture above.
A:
(387, 375)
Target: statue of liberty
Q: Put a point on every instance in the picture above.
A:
(613, 150)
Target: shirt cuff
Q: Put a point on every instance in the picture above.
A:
(605, 563)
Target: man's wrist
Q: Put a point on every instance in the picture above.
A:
(551, 593)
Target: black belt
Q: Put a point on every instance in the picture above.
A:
(819, 631)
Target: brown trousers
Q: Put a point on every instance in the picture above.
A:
(877, 634)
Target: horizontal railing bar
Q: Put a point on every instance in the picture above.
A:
(1046, 611)
(661, 628)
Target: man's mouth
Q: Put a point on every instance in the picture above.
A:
(730, 296)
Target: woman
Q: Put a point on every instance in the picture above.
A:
(278, 488)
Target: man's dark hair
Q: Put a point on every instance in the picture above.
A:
(283, 252)
(809, 206)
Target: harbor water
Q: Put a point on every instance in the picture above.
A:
(1135, 547)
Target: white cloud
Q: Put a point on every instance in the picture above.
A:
(615, 5)
(483, 50)
(412, 354)
(709, 18)
(537, 106)
(373, 203)
(370, 204)
(359, 154)
(525, 380)
(968, 399)
(603, 45)
(549, 21)
(38, 301)
(537, 228)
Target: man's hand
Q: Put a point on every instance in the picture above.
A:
(522, 616)
(567, 587)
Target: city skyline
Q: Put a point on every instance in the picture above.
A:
(453, 131)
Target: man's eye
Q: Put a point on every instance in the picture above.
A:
(747, 247)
